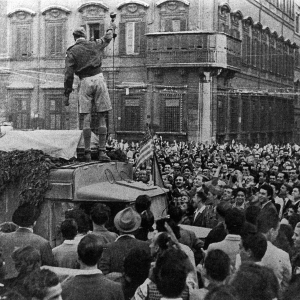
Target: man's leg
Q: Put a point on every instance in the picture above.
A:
(87, 136)
(102, 138)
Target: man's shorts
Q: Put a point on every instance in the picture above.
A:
(93, 89)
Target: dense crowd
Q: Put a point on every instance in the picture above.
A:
(248, 197)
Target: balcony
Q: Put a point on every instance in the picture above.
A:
(193, 49)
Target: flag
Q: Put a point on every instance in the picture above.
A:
(146, 150)
(156, 172)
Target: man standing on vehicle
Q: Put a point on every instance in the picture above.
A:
(84, 60)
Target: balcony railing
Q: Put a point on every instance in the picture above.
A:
(185, 49)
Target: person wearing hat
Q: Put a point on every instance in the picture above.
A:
(127, 222)
(25, 217)
(84, 60)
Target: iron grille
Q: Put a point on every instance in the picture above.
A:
(172, 112)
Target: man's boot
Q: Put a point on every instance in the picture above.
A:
(102, 142)
(87, 144)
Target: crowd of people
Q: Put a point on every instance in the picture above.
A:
(248, 197)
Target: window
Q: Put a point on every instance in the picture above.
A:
(132, 39)
(245, 112)
(172, 112)
(94, 31)
(130, 109)
(297, 23)
(222, 109)
(255, 108)
(132, 113)
(234, 113)
(173, 25)
(173, 16)
(21, 109)
(21, 35)
(55, 111)
(55, 18)
(55, 39)
(93, 15)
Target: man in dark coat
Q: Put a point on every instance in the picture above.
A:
(84, 60)
(25, 217)
(90, 284)
(127, 221)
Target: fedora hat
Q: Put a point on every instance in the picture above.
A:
(127, 220)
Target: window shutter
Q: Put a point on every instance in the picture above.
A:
(18, 43)
(168, 25)
(122, 39)
(259, 54)
(183, 25)
(59, 39)
(137, 37)
(130, 37)
(143, 39)
(102, 30)
(244, 49)
(51, 39)
(23, 41)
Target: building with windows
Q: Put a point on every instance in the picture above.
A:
(197, 70)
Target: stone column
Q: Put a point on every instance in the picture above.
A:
(239, 136)
(205, 106)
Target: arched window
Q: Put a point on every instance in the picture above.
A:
(55, 30)
(173, 15)
(21, 28)
(132, 28)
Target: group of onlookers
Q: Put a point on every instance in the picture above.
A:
(248, 198)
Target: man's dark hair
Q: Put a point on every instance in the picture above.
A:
(81, 218)
(228, 187)
(68, 229)
(137, 265)
(253, 281)
(257, 243)
(217, 265)
(234, 221)
(248, 229)
(222, 208)
(170, 273)
(267, 188)
(289, 189)
(251, 214)
(142, 203)
(175, 213)
(25, 215)
(100, 214)
(26, 259)
(90, 250)
(160, 226)
(267, 219)
(178, 175)
(38, 283)
(239, 189)
(224, 292)
(202, 196)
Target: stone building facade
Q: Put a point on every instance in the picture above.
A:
(196, 70)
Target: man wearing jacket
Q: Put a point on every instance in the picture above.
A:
(84, 60)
